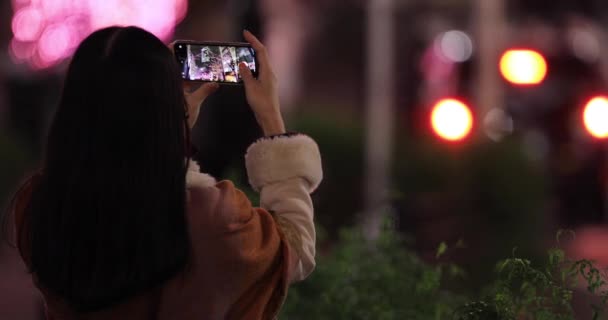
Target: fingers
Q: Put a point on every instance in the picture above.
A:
(246, 74)
(253, 41)
(202, 92)
(195, 98)
(261, 54)
(190, 86)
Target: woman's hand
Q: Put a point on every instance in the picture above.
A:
(195, 94)
(262, 93)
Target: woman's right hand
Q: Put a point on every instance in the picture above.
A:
(262, 93)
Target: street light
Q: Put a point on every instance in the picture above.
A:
(451, 119)
(523, 67)
(595, 117)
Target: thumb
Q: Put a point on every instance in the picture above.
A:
(245, 73)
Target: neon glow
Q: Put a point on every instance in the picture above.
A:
(27, 24)
(45, 32)
(523, 67)
(595, 117)
(451, 119)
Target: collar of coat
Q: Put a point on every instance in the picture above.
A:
(194, 176)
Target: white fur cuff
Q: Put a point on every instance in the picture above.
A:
(271, 160)
(194, 178)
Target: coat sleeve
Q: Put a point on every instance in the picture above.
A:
(285, 170)
(248, 253)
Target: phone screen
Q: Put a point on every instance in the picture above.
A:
(214, 61)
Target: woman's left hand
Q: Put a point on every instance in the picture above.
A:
(195, 93)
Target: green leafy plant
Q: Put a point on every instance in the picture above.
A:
(524, 291)
(387, 281)
(362, 281)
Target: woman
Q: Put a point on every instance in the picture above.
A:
(119, 223)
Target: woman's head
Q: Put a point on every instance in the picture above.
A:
(107, 214)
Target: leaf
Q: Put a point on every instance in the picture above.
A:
(502, 265)
(456, 271)
(441, 249)
(556, 257)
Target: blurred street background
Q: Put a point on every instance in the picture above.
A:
(482, 123)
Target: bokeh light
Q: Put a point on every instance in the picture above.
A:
(45, 32)
(27, 24)
(585, 45)
(455, 46)
(21, 51)
(497, 124)
(595, 117)
(451, 119)
(56, 42)
(523, 67)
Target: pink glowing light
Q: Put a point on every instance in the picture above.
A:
(158, 17)
(55, 8)
(21, 51)
(20, 3)
(48, 31)
(27, 24)
(109, 12)
(37, 62)
(55, 43)
(181, 9)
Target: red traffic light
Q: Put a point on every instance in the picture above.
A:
(451, 119)
(523, 67)
(595, 117)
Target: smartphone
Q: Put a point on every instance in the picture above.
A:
(214, 61)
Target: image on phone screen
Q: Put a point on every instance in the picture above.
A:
(203, 62)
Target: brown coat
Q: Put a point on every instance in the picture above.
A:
(243, 257)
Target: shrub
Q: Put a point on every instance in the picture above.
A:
(524, 291)
(387, 281)
(360, 281)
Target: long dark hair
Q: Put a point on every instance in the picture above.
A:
(106, 216)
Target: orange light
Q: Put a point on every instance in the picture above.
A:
(523, 67)
(595, 117)
(451, 119)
